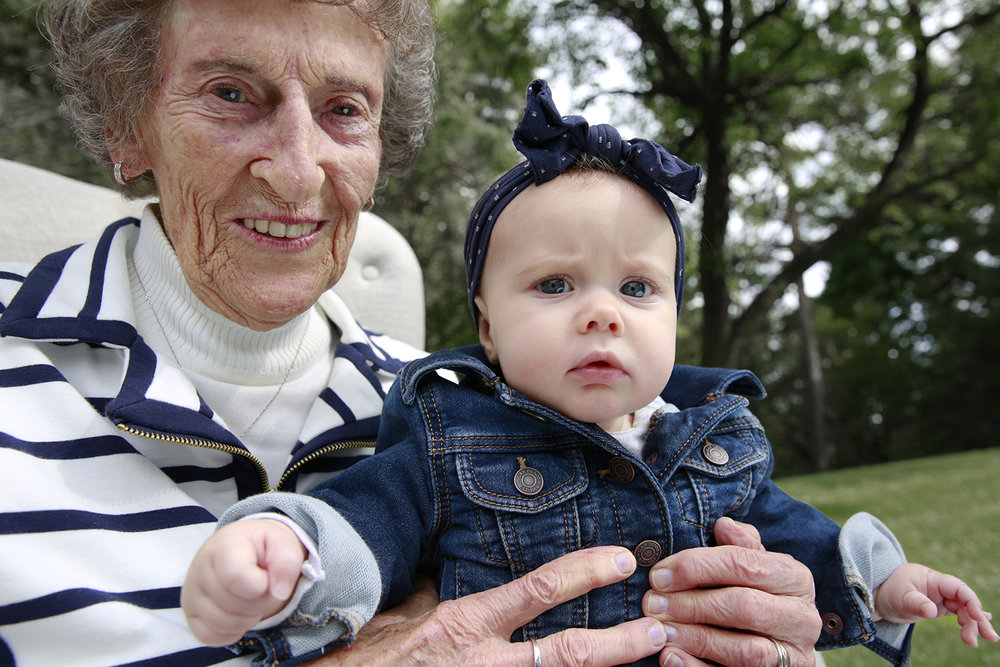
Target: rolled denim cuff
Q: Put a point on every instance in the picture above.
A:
(870, 553)
(335, 607)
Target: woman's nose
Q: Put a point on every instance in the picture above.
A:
(292, 160)
(601, 314)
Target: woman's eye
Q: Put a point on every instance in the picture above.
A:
(636, 288)
(229, 94)
(553, 286)
(343, 110)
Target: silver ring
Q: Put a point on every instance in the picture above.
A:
(118, 174)
(783, 659)
(538, 654)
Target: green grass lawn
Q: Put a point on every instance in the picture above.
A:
(946, 513)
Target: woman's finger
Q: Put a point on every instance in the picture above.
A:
(775, 573)
(733, 533)
(790, 619)
(622, 644)
(512, 605)
(702, 644)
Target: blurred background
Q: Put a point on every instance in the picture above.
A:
(844, 244)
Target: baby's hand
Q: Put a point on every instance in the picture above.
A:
(244, 573)
(915, 592)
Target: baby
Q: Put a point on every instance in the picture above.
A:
(562, 433)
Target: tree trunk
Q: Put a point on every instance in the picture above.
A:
(816, 386)
(716, 333)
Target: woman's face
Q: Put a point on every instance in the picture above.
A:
(263, 138)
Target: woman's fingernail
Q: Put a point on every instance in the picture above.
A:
(672, 660)
(657, 604)
(657, 636)
(661, 578)
(624, 563)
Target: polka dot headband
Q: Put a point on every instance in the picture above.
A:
(552, 144)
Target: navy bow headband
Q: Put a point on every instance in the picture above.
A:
(552, 143)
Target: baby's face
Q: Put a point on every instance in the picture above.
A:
(577, 297)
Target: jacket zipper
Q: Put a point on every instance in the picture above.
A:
(199, 442)
(229, 449)
(347, 444)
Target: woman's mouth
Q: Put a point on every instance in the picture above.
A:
(280, 230)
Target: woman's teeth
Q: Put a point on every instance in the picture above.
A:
(279, 229)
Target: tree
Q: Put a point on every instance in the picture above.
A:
(742, 87)
(33, 131)
(484, 65)
(857, 120)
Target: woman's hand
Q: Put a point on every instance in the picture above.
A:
(475, 630)
(727, 603)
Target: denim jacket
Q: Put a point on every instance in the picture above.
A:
(479, 484)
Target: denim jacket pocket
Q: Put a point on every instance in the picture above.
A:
(523, 508)
(717, 478)
(525, 482)
(532, 504)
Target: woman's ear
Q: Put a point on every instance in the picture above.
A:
(126, 149)
(485, 336)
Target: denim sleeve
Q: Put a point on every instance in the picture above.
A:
(841, 570)
(335, 608)
(871, 553)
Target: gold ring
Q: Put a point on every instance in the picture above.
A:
(783, 659)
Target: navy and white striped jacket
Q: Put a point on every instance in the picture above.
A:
(113, 469)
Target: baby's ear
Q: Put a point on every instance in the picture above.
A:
(485, 337)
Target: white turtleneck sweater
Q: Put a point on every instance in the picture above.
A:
(237, 371)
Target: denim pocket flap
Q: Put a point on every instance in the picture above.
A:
(525, 482)
(725, 456)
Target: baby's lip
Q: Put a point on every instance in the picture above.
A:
(599, 367)
(599, 360)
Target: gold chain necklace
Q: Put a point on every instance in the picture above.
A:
(166, 338)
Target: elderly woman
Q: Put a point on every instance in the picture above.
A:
(177, 363)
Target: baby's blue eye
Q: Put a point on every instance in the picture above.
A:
(636, 288)
(229, 94)
(553, 286)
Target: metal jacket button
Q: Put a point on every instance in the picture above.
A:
(527, 480)
(832, 624)
(621, 470)
(647, 552)
(715, 454)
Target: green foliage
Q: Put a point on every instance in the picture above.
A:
(942, 509)
(33, 130)
(876, 126)
(484, 65)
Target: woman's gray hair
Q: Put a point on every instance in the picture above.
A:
(107, 59)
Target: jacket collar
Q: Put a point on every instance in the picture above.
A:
(80, 295)
(689, 386)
